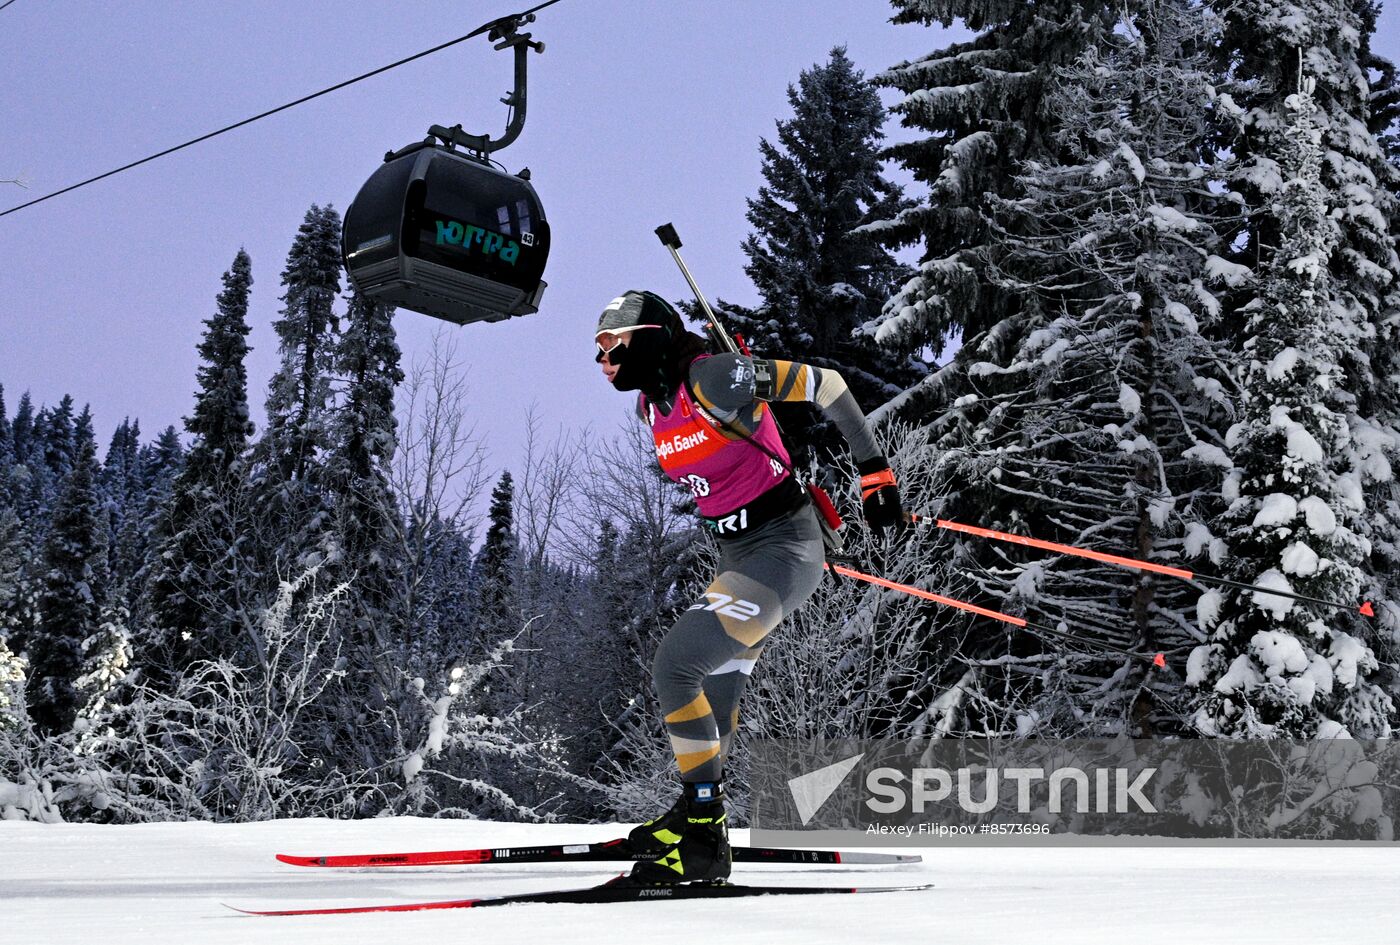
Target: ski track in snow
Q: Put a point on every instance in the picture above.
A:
(164, 883)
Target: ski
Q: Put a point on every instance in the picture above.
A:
(609, 851)
(618, 889)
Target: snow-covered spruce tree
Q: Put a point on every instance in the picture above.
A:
(1092, 415)
(71, 595)
(363, 544)
(119, 488)
(158, 463)
(496, 611)
(18, 568)
(361, 547)
(293, 510)
(981, 106)
(107, 662)
(1275, 667)
(7, 453)
(59, 439)
(12, 669)
(48, 450)
(22, 428)
(13, 555)
(438, 603)
(22, 440)
(603, 673)
(19, 572)
(495, 561)
(1266, 45)
(197, 586)
(819, 280)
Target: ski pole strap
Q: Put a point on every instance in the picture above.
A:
(874, 482)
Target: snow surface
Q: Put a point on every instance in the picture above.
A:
(163, 883)
(1210, 454)
(1170, 220)
(1321, 518)
(1208, 608)
(1278, 509)
(1222, 270)
(1283, 364)
(1300, 559)
(1196, 539)
(1128, 400)
(1272, 580)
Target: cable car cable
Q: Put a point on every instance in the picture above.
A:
(273, 111)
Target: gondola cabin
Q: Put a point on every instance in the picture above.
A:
(438, 232)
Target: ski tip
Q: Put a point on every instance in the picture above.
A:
(922, 887)
(299, 860)
(1159, 660)
(1366, 609)
(234, 908)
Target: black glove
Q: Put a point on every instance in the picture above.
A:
(879, 495)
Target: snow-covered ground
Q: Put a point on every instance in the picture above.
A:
(164, 883)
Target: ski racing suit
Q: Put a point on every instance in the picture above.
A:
(771, 549)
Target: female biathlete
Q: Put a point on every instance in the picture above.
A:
(715, 434)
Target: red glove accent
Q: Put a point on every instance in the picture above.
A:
(875, 481)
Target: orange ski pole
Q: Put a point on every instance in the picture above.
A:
(1136, 564)
(1156, 659)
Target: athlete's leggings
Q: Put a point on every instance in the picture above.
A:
(705, 660)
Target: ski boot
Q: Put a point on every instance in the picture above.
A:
(695, 834)
(659, 833)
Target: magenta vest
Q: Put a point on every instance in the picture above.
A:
(723, 474)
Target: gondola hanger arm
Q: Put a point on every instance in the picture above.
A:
(506, 30)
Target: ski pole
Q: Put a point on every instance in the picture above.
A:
(1157, 659)
(826, 509)
(1365, 609)
(666, 232)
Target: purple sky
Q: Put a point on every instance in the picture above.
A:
(639, 114)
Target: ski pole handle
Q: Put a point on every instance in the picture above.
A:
(666, 232)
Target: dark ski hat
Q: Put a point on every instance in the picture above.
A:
(649, 362)
(635, 309)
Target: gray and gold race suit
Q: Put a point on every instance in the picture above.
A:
(765, 573)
